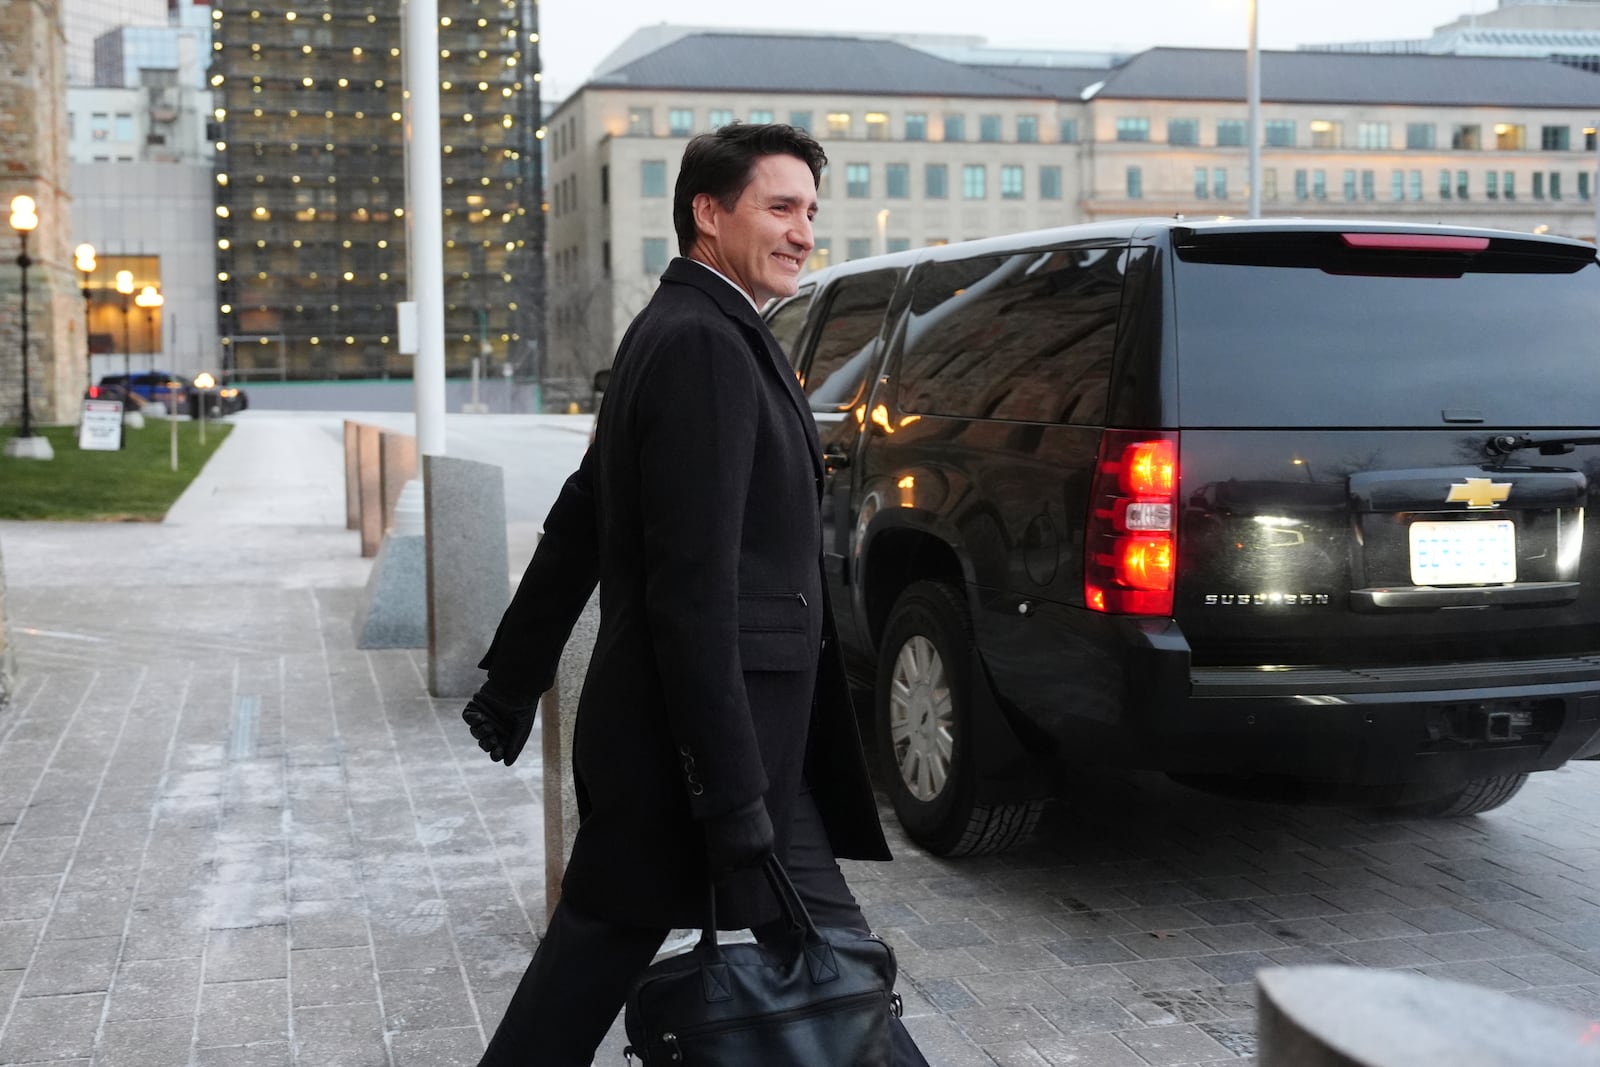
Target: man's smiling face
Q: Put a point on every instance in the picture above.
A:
(762, 244)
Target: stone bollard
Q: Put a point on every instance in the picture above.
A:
(352, 475)
(369, 475)
(558, 712)
(1355, 1017)
(468, 583)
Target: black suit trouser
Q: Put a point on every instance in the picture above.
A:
(584, 966)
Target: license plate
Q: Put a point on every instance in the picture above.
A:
(1482, 552)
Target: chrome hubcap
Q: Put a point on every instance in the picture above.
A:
(921, 718)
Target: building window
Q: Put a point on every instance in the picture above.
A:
(1555, 185)
(916, 127)
(1349, 185)
(1231, 133)
(1133, 129)
(1466, 138)
(1301, 189)
(1491, 185)
(955, 126)
(1419, 135)
(640, 124)
(1414, 182)
(1327, 134)
(1583, 185)
(897, 181)
(1510, 137)
(974, 181)
(1555, 138)
(821, 254)
(653, 177)
(1134, 182)
(1369, 185)
(1538, 185)
(1219, 183)
(1461, 184)
(760, 117)
(1278, 133)
(655, 255)
(1183, 131)
(1027, 129)
(1444, 185)
(719, 117)
(877, 126)
(1269, 183)
(825, 182)
(800, 120)
(988, 127)
(124, 128)
(100, 125)
(838, 124)
(1011, 179)
(936, 181)
(1319, 185)
(1508, 185)
(897, 244)
(857, 248)
(1373, 135)
(1068, 133)
(1202, 183)
(680, 122)
(857, 181)
(1397, 185)
(1050, 182)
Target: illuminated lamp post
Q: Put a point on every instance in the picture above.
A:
(83, 259)
(26, 444)
(131, 416)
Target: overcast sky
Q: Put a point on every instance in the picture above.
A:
(576, 34)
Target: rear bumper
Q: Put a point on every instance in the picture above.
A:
(1439, 722)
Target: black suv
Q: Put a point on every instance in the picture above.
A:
(1305, 501)
(180, 394)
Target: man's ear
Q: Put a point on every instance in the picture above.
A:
(706, 210)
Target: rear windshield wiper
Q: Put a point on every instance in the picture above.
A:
(1548, 444)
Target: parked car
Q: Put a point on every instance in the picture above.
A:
(176, 392)
(1303, 501)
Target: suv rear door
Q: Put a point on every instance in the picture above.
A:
(1343, 499)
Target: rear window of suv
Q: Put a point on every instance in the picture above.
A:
(1301, 332)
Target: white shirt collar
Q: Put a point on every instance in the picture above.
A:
(737, 288)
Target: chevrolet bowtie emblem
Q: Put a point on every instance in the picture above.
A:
(1479, 493)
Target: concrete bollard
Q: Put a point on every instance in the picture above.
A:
(468, 583)
(1355, 1017)
(558, 713)
(352, 476)
(397, 465)
(370, 476)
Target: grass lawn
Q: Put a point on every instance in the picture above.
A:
(136, 484)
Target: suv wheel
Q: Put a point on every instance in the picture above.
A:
(1475, 797)
(923, 712)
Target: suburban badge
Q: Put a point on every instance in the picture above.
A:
(1479, 493)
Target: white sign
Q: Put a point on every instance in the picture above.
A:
(101, 427)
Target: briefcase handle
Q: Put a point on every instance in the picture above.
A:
(818, 952)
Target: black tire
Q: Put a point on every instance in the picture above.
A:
(929, 639)
(1475, 797)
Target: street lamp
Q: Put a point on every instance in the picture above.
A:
(150, 298)
(130, 416)
(83, 259)
(26, 445)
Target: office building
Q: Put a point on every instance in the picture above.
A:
(935, 144)
(310, 187)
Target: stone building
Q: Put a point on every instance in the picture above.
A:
(928, 145)
(33, 145)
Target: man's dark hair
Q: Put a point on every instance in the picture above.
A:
(721, 164)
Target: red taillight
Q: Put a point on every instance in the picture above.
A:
(1131, 550)
(94, 392)
(1414, 242)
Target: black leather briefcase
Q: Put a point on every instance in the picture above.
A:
(822, 1000)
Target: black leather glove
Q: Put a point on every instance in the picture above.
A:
(500, 726)
(739, 838)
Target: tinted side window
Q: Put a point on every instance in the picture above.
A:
(785, 324)
(846, 346)
(1027, 338)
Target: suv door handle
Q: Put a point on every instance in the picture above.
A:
(834, 460)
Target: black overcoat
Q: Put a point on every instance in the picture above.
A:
(714, 678)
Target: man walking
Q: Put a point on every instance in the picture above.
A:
(715, 726)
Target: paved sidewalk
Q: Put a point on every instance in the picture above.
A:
(228, 838)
